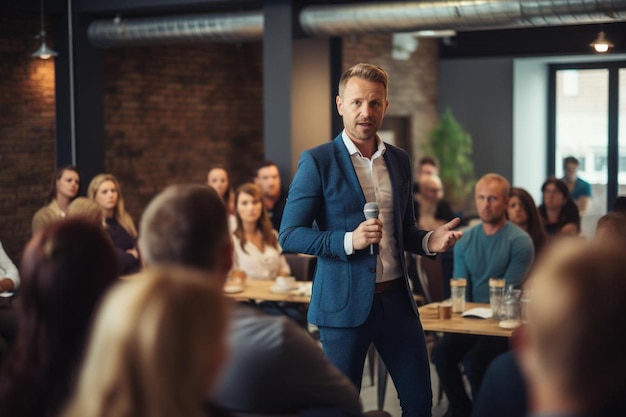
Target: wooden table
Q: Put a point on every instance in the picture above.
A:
(260, 290)
(457, 324)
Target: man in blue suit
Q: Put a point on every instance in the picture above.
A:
(360, 289)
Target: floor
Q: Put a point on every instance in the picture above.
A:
(392, 404)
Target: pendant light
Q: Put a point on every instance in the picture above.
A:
(44, 51)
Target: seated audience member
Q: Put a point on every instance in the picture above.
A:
(9, 281)
(157, 344)
(579, 189)
(65, 269)
(105, 190)
(86, 209)
(619, 205)
(571, 352)
(274, 366)
(9, 275)
(425, 166)
(255, 241)
(559, 213)
(611, 226)
(494, 248)
(503, 392)
(64, 189)
(219, 179)
(523, 212)
(274, 195)
(431, 210)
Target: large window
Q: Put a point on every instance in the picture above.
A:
(588, 106)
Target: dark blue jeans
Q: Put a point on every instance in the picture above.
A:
(397, 334)
(475, 353)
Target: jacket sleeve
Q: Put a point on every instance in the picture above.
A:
(305, 205)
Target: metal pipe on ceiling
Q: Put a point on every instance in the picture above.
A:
(347, 19)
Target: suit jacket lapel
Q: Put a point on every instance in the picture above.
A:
(347, 168)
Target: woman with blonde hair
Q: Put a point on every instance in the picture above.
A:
(105, 190)
(156, 347)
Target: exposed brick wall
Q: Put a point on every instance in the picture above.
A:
(412, 84)
(171, 112)
(27, 130)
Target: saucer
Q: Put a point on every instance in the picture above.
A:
(282, 290)
(232, 289)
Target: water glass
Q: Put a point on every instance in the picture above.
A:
(457, 294)
(496, 297)
(525, 300)
(512, 304)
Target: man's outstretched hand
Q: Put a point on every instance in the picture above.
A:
(444, 237)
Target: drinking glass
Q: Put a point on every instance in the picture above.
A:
(496, 297)
(457, 294)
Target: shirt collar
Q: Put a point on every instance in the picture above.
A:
(352, 149)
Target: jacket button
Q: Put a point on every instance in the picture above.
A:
(372, 270)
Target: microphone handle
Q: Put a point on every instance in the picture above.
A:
(372, 249)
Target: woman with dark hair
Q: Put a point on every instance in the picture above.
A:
(64, 189)
(219, 179)
(523, 212)
(65, 270)
(559, 213)
(257, 251)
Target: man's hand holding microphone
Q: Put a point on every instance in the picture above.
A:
(370, 232)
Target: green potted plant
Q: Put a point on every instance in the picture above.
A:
(452, 146)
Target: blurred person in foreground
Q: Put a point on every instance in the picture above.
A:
(157, 344)
(571, 352)
(66, 268)
(360, 292)
(274, 366)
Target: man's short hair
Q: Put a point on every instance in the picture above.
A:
(264, 164)
(368, 72)
(428, 160)
(184, 225)
(570, 160)
(492, 177)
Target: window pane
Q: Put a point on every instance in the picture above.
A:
(582, 128)
(621, 132)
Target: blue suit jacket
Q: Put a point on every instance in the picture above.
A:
(326, 190)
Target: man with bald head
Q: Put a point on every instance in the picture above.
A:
(494, 248)
(431, 210)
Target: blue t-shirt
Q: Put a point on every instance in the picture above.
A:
(507, 254)
(581, 188)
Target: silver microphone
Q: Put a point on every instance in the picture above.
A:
(371, 211)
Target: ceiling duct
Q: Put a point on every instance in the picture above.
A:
(227, 27)
(339, 20)
(348, 19)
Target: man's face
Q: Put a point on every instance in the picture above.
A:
(491, 201)
(571, 170)
(268, 180)
(362, 106)
(427, 169)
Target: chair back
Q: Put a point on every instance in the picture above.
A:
(302, 266)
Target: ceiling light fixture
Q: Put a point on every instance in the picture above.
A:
(601, 44)
(44, 52)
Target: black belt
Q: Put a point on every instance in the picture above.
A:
(388, 285)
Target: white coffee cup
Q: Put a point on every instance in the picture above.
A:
(285, 282)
